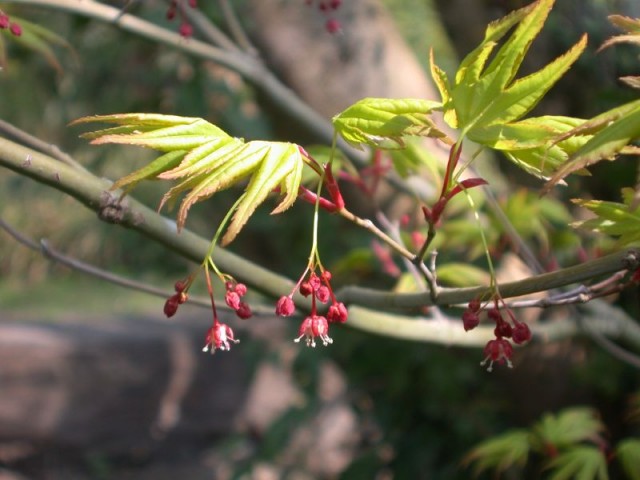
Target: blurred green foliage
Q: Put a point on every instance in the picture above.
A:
(420, 407)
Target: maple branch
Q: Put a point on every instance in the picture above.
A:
(628, 259)
(95, 194)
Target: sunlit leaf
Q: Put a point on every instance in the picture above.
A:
(382, 123)
(467, 77)
(282, 164)
(441, 80)
(604, 145)
(632, 81)
(487, 103)
(482, 94)
(153, 169)
(518, 99)
(205, 160)
(630, 25)
(532, 143)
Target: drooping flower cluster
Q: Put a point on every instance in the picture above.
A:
(177, 8)
(219, 337)
(6, 22)
(328, 8)
(315, 325)
(498, 350)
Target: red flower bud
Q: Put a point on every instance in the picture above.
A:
(232, 299)
(15, 29)
(244, 311)
(333, 26)
(474, 305)
(241, 289)
(503, 329)
(470, 320)
(305, 289)
(185, 30)
(337, 313)
(323, 294)
(285, 306)
(171, 305)
(314, 282)
(521, 333)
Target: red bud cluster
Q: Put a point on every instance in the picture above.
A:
(498, 350)
(233, 298)
(315, 325)
(177, 8)
(328, 7)
(177, 299)
(6, 22)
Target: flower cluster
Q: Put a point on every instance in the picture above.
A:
(328, 7)
(219, 337)
(177, 299)
(176, 7)
(315, 325)
(233, 298)
(5, 22)
(498, 350)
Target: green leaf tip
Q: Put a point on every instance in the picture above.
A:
(621, 220)
(382, 123)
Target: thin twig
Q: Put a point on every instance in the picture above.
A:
(77, 265)
(394, 232)
(627, 259)
(209, 30)
(581, 294)
(92, 192)
(373, 228)
(235, 27)
(45, 147)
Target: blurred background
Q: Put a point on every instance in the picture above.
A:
(94, 383)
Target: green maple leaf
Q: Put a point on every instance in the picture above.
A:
(383, 122)
(620, 220)
(488, 103)
(204, 160)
